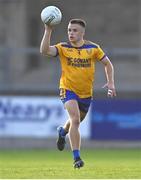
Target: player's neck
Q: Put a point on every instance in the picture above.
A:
(78, 43)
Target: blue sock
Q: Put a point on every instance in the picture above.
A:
(76, 154)
(63, 132)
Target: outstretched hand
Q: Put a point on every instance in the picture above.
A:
(48, 27)
(111, 89)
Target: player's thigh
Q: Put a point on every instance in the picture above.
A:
(73, 110)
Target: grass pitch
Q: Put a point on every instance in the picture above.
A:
(52, 164)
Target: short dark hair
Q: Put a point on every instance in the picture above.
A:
(81, 22)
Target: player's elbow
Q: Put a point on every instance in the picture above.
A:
(49, 51)
(44, 52)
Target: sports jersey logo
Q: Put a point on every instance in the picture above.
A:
(77, 62)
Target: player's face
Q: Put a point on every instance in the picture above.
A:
(75, 33)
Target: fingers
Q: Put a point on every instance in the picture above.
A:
(111, 90)
(111, 93)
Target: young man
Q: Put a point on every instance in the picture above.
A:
(78, 58)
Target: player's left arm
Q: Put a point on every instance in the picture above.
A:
(109, 72)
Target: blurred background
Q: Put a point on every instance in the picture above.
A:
(30, 109)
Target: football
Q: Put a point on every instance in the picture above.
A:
(51, 15)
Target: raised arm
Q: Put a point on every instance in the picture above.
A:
(109, 72)
(45, 47)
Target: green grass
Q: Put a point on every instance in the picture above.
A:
(51, 164)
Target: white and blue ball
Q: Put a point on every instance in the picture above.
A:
(51, 15)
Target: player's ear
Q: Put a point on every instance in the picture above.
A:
(83, 31)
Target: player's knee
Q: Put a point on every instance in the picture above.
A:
(75, 121)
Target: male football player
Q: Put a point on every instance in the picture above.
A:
(77, 57)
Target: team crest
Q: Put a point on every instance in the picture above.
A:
(89, 51)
